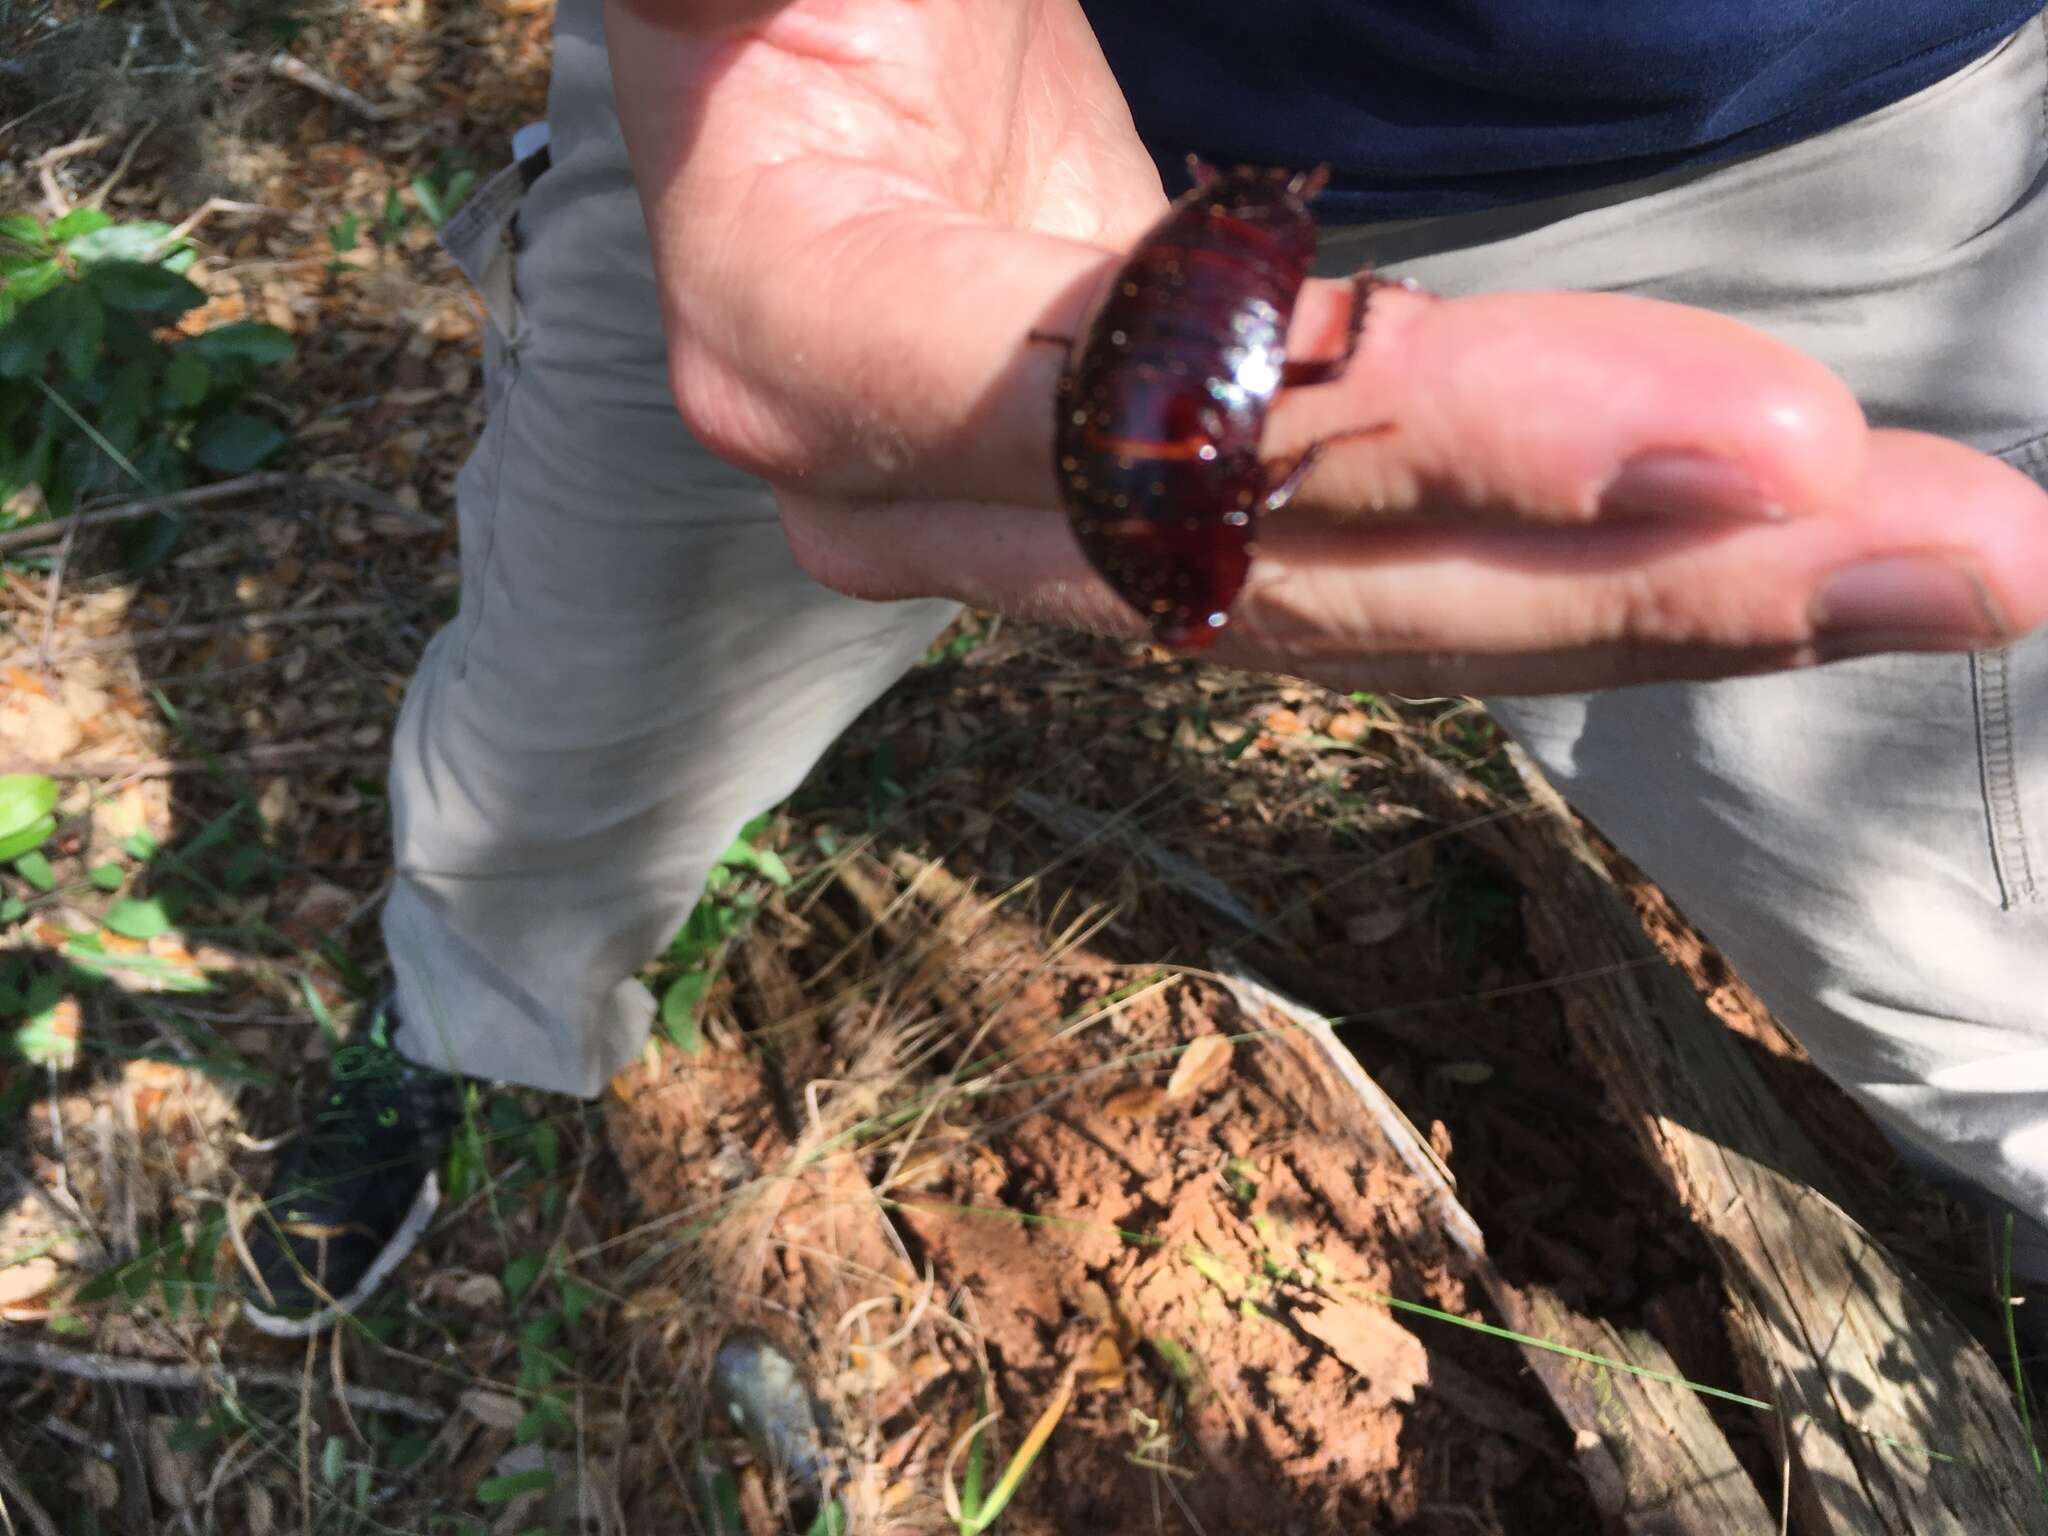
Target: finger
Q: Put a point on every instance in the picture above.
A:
(1564, 407)
(1937, 548)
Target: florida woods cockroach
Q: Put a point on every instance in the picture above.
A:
(1164, 397)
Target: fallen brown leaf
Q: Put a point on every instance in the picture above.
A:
(1201, 1065)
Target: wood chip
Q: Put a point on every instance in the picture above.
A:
(1202, 1065)
(1136, 1103)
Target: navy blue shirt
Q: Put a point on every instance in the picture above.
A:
(1442, 106)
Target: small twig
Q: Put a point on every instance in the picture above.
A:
(12, 1486)
(364, 496)
(99, 196)
(46, 165)
(71, 1434)
(178, 36)
(285, 67)
(262, 618)
(40, 107)
(75, 147)
(171, 1376)
(199, 216)
(50, 595)
(272, 754)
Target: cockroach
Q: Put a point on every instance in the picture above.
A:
(1165, 392)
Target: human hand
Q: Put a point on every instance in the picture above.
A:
(860, 210)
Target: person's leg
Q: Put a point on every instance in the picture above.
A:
(638, 667)
(1867, 842)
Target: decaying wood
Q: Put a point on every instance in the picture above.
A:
(1897, 1422)
(1654, 1459)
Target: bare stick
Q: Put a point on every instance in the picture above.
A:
(285, 67)
(200, 629)
(367, 497)
(199, 216)
(75, 147)
(99, 197)
(265, 755)
(11, 1485)
(172, 1376)
(46, 165)
(50, 595)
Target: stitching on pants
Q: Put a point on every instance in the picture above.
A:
(1998, 763)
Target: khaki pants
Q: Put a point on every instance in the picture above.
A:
(638, 666)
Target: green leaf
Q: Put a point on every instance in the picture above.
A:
(146, 541)
(547, 1149)
(576, 1299)
(107, 877)
(679, 1009)
(330, 1461)
(80, 222)
(244, 339)
(26, 338)
(548, 1412)
(40, 1040)
(500, 1490)
(27, 284)
(79, 327)
(23, 230)
(141, 242)
(12, 910)
(137, 917)
(233, 443)
(140, 846)
(35, 869)
(521, 1273)
(342, 236)
(25, 799)
(196, 1433)
(186, 378)
(137, 285)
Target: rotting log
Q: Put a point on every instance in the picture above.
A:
(1652, 1456)
(1896, 1421)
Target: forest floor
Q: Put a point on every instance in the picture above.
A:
(950, 1097)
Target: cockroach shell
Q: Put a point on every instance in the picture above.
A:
(1165, 395)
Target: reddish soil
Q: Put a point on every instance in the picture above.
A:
(1195, 1234)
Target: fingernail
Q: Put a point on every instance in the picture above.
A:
(1904, 602)
(1686, 485)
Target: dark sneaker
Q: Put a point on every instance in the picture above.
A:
(354, 1193)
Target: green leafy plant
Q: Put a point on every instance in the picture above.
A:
(343, 238)
(974, 1508)
(732, 895)
(97, 395)
(28, 803)
(443, 190)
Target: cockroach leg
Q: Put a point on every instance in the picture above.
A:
(1290, 481)
(1046, 338)
(1321, 370)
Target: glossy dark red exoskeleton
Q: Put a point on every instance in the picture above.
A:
(1164, 397)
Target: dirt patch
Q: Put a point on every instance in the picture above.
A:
(1099, 1173)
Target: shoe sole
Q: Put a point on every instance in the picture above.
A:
(403, 1241)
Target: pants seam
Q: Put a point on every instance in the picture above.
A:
(1999, 764)
(473, 618)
